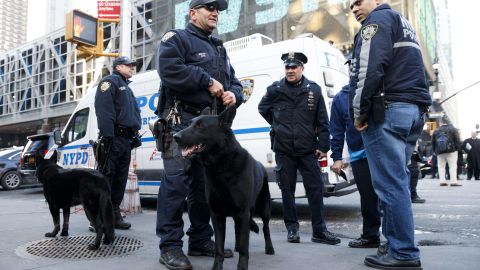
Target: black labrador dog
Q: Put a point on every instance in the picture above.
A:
(236, 184)
(64, 188)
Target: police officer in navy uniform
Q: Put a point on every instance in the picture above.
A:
(295, 109)
(194, 70)
(118, 118)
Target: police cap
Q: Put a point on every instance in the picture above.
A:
(292, 59)
(123, 60)
(221, 4)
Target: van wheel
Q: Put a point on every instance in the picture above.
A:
(11, 180)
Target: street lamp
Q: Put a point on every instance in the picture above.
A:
(436, 110)
(436, 93)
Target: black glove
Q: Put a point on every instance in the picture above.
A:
(136, 142)
(101, 151)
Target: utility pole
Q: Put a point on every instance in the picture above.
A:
(126, 28)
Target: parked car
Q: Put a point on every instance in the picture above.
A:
(37, 146)
(10, 178)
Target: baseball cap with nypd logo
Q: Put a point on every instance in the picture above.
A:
(221, 4)
(123, 60)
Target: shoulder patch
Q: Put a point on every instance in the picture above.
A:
(369, 31)
(168, 35)
(105, 86)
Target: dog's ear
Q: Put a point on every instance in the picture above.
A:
(225, 119)
(206, 111)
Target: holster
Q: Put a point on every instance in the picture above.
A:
(272, 137)
(136, 142)
(378, 108)
(162, 134)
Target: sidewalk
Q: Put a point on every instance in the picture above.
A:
(25, 218)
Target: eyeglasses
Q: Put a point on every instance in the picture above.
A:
(209, 7)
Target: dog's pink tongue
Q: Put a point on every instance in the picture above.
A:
(187, 151)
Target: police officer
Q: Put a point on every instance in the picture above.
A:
(195, 74)
(295, 109)
(390, 97)
(118, 118)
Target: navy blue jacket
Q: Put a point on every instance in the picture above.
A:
(298, 117)
(115, 104)
(186, 61)
(386, 55)
(341, 124)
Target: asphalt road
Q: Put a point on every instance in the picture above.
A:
(447, 231)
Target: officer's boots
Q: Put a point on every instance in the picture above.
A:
(120, 224)
(175, 259)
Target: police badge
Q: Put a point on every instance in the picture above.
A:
(369, 31)
(247, 89)
(104, 86)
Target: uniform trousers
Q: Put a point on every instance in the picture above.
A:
(117, 173)
(183, 182)
(286, 172)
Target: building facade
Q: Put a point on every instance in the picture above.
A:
(13, 28)
(42, 81)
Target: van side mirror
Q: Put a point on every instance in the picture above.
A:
(57, 136)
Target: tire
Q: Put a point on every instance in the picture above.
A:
(11, 180)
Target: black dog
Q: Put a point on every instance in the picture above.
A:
(236, 184)
(64, 188)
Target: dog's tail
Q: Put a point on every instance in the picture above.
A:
(108, 217)
(253, 225)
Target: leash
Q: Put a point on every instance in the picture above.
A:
(214, 106)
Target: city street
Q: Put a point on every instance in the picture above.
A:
(447, 233)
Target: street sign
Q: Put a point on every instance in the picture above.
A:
(108, 9)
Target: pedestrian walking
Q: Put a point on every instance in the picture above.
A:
(471, 146)
(446, 143)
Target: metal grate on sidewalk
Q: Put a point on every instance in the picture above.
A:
(75, 247)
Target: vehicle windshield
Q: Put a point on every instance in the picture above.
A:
(34, 145)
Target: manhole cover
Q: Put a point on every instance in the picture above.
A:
(75, 247)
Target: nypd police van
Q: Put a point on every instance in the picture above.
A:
(257, 64)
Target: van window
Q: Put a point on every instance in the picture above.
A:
(77, 127)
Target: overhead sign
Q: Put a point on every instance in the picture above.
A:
(108, 9)
(81, 28)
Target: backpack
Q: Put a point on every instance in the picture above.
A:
(443, 144)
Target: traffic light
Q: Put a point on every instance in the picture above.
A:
(81, 28)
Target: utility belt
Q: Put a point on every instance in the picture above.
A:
(125, 132)
(194, 109)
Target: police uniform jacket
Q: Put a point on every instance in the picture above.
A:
(186, 61)
(298, 117)
(386, 56)
(115, 105)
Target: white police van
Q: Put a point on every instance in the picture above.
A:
(257, 63)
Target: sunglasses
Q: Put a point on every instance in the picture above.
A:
(209, 7)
